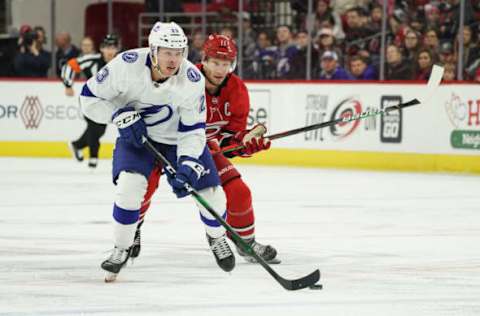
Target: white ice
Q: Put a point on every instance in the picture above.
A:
(385, 243)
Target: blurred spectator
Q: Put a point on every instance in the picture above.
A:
(411, 45)
(325, 14)
(31, 61)
(65, 50)
(375, 22)
(432, 16)
(327, 42)
(330, 70)
(356, 32)
(298, 68)
(41, 37)
(397, 68)
(360, 70)
(471, 52)
(447, 54)
(425, 60)
(341, 6)
(195, 48)
(450, 72)
(431, 40)
(249, 46)
(87, 46)
(263, 66)
(227, 31)
(286, 50)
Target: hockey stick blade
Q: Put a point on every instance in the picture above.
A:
(290, 285)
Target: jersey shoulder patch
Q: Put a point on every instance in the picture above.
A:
(193, 75)
(130, 57)
(102, 75)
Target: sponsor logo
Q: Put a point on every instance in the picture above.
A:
(346, 109)
(193, 75)
(316, 112)
(391, 122)
(31, 112)
(259, 108)
(130, 57)
(161, 113)
(8, 111)
(465, 118)
(202, 104)
(102, 75)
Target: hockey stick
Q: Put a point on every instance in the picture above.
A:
(433, 82)
(291, 285)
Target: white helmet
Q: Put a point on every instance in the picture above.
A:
(167, 35)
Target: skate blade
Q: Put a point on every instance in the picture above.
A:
(110, 277)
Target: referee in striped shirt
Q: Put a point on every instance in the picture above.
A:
(89, 65)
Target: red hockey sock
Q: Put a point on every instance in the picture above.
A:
(239, 207)
(153, 181)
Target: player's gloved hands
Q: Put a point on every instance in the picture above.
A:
(130, 125)
(189, 170)
(252, 140)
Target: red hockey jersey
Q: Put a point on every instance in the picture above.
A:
(227, 110)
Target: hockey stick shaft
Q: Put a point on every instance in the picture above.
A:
(297, 284)
(346, 119)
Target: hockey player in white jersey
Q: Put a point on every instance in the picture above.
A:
(155, 92)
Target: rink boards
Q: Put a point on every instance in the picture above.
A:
(37, 120)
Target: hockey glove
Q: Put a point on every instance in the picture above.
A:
(252, 140)
(130, 125)
(189, 170)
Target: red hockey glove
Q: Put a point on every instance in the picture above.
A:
(252, 140)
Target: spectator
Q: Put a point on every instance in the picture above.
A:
(327, 42)
(397, 68)
(425, 59)
(87, 46)
(450, 72)
(375, 22)
(432, 16)
(196, 47)
(360, 70)
(41, 37)
(330, 70)
(265, 57)
(249, 46)
(286, 50)
(227, 31)
(356, 31)
(471, 51)
(446, 53)
(411, 45)
(323, 13)
(431, 40)
(31, 61)
(65, 50)
(299, 60)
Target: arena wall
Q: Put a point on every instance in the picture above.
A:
(37, 120)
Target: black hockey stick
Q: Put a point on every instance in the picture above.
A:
(345, 119)
(291, 285)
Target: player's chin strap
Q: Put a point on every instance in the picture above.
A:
(297, 284)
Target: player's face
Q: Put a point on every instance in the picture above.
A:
(169, 60)
(216, 70)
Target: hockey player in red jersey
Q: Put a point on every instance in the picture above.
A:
(228, 106)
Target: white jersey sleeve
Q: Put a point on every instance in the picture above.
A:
(98, 96)
(193, 115)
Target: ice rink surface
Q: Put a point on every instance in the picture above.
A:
(385, 243)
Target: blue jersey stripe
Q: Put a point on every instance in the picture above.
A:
(86, 92)
(212, 222)
(188, 128)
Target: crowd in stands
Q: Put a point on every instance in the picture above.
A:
(345, 43)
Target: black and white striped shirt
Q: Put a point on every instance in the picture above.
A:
(89, 65)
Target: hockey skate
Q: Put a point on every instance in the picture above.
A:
(222, 252)
(92, 163)
(136, 246)
(267, 252)
(77, 153)
(115, 263)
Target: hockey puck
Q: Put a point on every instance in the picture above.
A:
(316, 287)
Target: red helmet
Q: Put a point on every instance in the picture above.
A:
(220, 46)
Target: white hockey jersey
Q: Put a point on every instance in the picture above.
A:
(174, 111)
